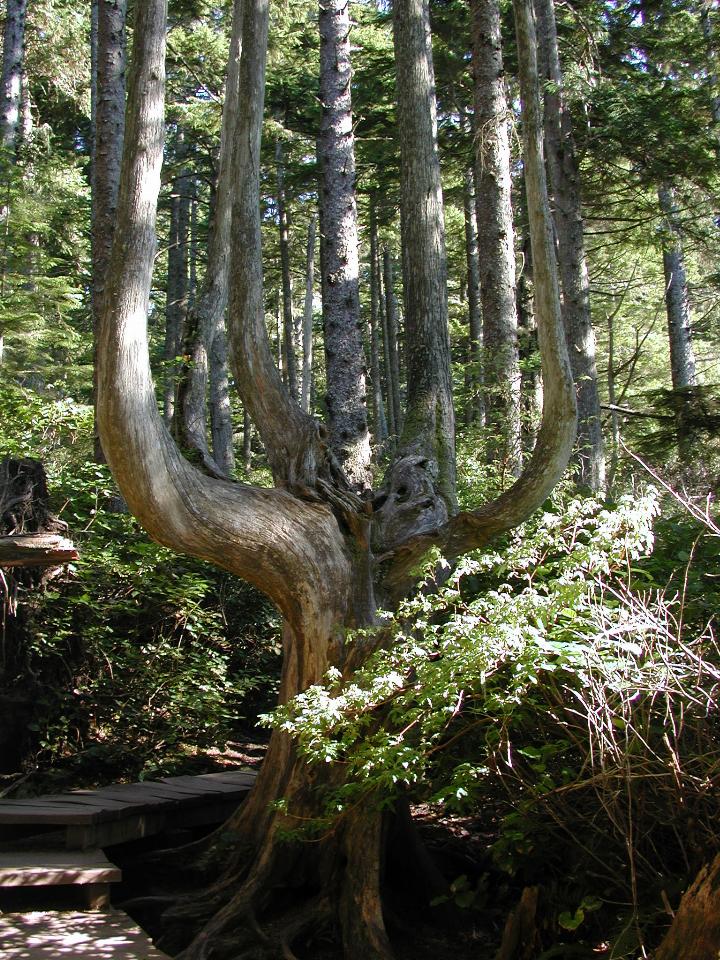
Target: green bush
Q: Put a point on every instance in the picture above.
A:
(545, 691)
(135, 657)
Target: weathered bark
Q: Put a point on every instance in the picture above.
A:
(289, 333)
(695, 931)
(495, 235)
(344, 356)
(389, 395)
(307, 327)
(206, 318)
(378, 407)
(564, 178)
(476, 400)
(390, 340)
(25, 131)
(10, 101)
(520, 937)
(109, 129)
(429, 428)
(12, 68)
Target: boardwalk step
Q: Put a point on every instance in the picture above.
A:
(34, 868)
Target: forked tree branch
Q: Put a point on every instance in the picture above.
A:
(287, 548)
(290, 436)
(473, 529)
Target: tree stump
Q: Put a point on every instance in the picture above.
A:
(32, 548)
(695, 932)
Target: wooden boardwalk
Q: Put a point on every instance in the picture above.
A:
(127, 811)
(57, 841)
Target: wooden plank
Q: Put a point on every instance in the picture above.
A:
(153, 789)
(136, 800)
(203, 786)
(49, 816)
(48, 868)
(106, 808)
(109, 935)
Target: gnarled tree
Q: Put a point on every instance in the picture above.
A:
(325, 557)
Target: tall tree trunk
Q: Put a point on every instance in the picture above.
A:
(564, 178)
(109, 128)
(392, 353)
(495, 235)
(429, 428)
(387, 365)
(347, 389)
(612, 400)
(532, 394)
(290, 360)
(176, 300)
(307, 328)
(221, 424)
(378, 407)
(476, 400)
(247, 441)
(25, 131)
(12, 69)
(206, 319)
(677, 301)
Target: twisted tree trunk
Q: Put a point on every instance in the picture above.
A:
(319, 553)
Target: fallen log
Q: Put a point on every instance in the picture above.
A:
(36, 550)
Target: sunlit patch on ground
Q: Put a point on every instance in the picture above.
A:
(109, 935)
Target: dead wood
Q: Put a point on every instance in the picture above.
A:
(520, 936)
(695, 932)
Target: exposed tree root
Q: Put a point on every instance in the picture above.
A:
(291, 892)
